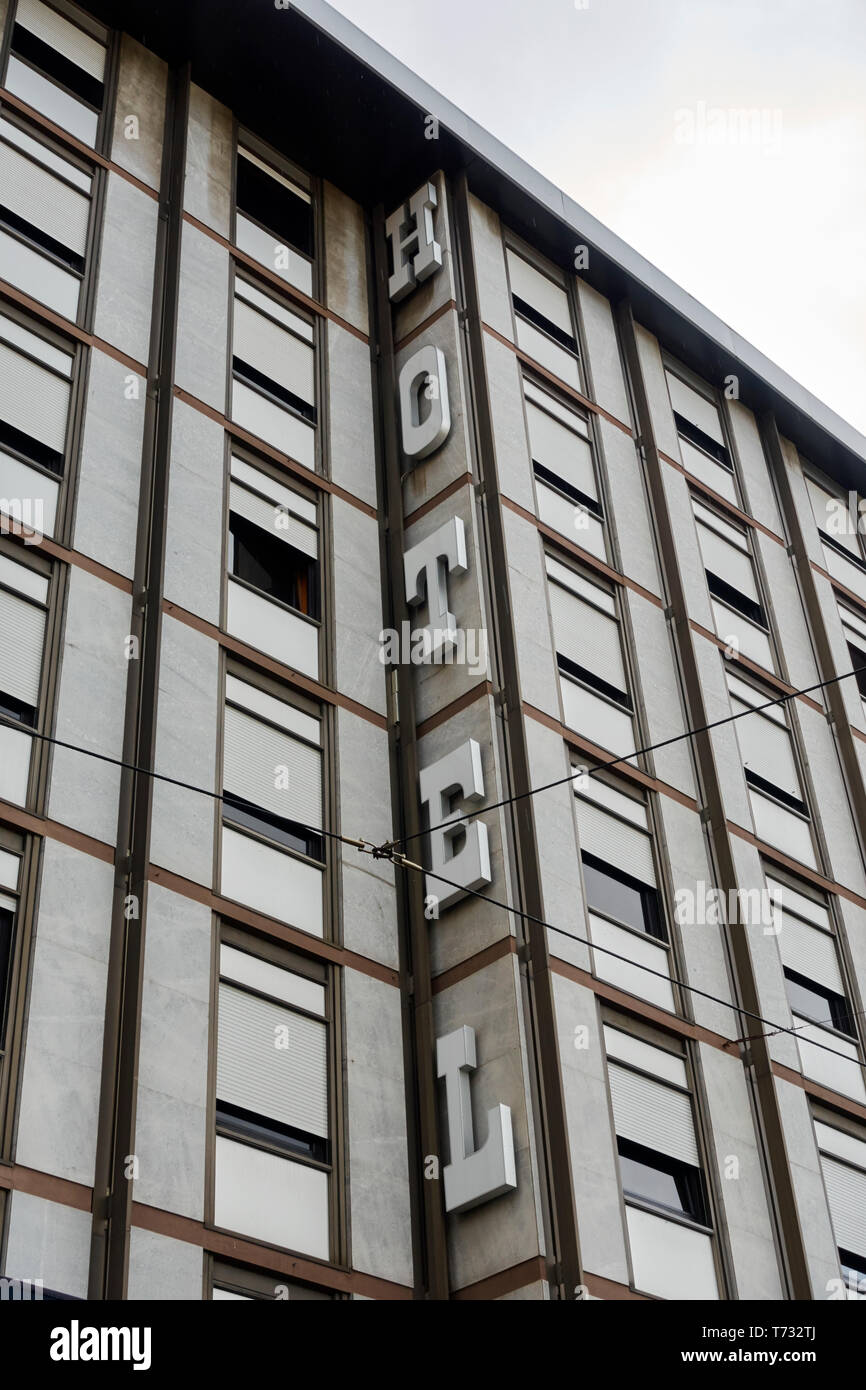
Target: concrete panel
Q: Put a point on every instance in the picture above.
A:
(766, 960)
(488, 253)
(831, 799)
(171, 1122)
(741, 1183)
(109, 471)
(513, 461)
(505, 1231)
(848, 688)
(90, 706)
(345, 257)
(628, 516)
(203, 318)
(357, 606)
(527, 580)
(786, 606)
(556, 838)
(163, 1268)
(805, 515)
(369, 905)
(604, 361)
(378, 1148)
(61, 1080)
(657, 688)
(193, 551)
(351, 439)
(209, 157)
(657, 392)
(182, 836)
(50, 1242)
(590, 1132)
(753, 468)
(124, 294)
(141, 89)
(689, 558)
(809, 1190)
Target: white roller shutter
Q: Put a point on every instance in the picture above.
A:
(846, 1195)
(561, 450)
(728, 562)
(541, 293)
(253, 751)
(59, 33)
(32, 399)
(616, 843)
(264, 514)
(273, 351)
(689, 403)
(272, 1061)
(588, 637)
(22, 639)
(767, 750)
(36, 195)
(810, 952)
(649, 1113)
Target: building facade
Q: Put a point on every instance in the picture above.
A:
(359, 492)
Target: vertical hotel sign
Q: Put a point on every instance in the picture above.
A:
(473, 1175)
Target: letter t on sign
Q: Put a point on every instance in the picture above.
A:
(458, 773)
(473, 1175)
(417, 255)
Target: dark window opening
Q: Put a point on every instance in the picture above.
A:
(251, 376)
(761, 784)
(546, 325)
(726, 593)
(858, 663)
(853, 1270)
(618, 895)
(276, 828)
(703, 441)
(7, 921)
(17, 710)
(662, 1181)
(246, 1124)
(41, 239)
(818, 1003)
(29, 448)
(547, 475)
(580, 673)
(273, 566)
(59, 68)
(274, 207)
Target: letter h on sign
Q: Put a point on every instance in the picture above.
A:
(416, 253)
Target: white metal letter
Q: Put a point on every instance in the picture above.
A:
(423, 384)
(426, 567)
(473, 1175)
(417, 255)
(458, 773)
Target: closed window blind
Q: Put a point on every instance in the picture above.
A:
(272, 1061)
(280, 523)
(22, 641)
(32, 399)
(648, 1112)
(846, 1197)
(32, 192)
(271, 769)
(587, 636)
(562, 450)
(766, 747)
(725, 553)
(615, 842)
(810, 952)
(272, 349)
(537, 290)
(695, 407)
(59, 33)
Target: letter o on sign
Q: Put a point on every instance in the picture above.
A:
(425, 416)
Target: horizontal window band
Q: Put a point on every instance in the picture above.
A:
(41, 241)
(42, 314)
(590, 504)
(236, 1123)
(17, 711)
(274, 829)
(856, 560)
(588, 678)
(58, 68)
(250, 376)
(761, 784)
(705, 442)
(538, 320)
(561, 386)
(733, 598)
(30, 449)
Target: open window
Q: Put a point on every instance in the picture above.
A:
(57, 65)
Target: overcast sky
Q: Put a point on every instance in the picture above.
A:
(625, 105)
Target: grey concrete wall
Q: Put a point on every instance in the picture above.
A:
(90, 706)
(603, 362)
(109, 470)
(50, 1242)
(808, 1186)
(59, 1097)
(182, 835)
(209, 155)
(345, 257)
(527, 582)
(356, 606)
(196, 492)
(203, 318)
(488, 253)
(124, 294)
(171, 1122)
(556, 838)
(759, 494)
(370, 924)
(351, 440)
(376, 1117)
(163, 1268)
(141, 91)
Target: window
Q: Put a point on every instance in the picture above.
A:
(566, 485)
(816, 988)
(58, 66)
(11, 878)
(701, 436)
(273, 390)
(622, 896)
(274, 216)
(667, 1210)
(272, 1097)
(839, 522)
(35, 385)
(23, 618)
(238, 1283)
(770, 765)
(854, 631)
(733, 586)
(542, 319)
(272, 848)
(44, 217)
(273, 564)
(589, 655)
(843, 1162)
